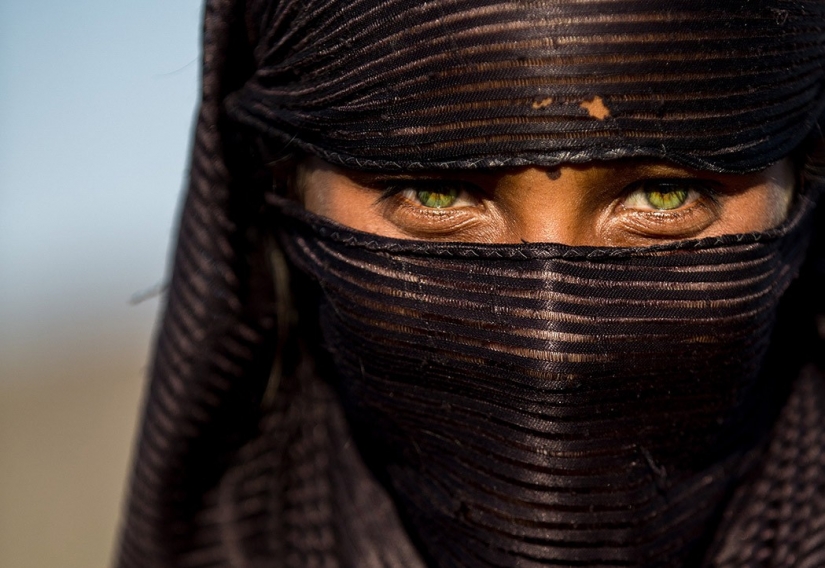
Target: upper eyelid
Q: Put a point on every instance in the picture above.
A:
(369, 179)
(393, 186)
(709, 186)
(384, 181)
(677, 180)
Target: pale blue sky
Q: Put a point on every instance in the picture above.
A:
(96, 106)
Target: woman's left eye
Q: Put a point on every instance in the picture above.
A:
(665, 195)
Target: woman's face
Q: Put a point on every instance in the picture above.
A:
(620, 203)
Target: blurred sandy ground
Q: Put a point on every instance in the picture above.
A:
(68, 406)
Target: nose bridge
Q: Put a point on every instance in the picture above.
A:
(551, 205)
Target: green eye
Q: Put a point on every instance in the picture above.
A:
(437, 199)
(667, 199)
(434, 193)
(664, 195)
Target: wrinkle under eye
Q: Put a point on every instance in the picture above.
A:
(669, 209)
(444, 209)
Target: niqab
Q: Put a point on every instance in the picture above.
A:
(226, 474)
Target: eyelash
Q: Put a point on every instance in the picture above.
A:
(394, 188)
(696, 188)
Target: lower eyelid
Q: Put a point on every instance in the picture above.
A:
(423, 222)
(434, 224)
(680, 223)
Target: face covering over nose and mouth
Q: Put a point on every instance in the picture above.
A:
(486, 406)
(535, 405)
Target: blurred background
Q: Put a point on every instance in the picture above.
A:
(96, 107)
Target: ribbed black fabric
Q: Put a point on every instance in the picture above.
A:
(534, 405)
(722, 85)
(226, 477)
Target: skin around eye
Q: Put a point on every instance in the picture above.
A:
(669, 209)
(436, 209)
(621, 203)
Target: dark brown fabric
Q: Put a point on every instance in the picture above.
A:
(726, 85)
(541, 404)
(224, 476)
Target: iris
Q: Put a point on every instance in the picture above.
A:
(437, 199)
(666, 195)
(666, 199)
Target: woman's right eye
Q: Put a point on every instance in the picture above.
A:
(433, 208)
(435, 198)
(433, 194)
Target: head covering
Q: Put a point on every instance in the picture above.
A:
(225, 476)
(723, 85)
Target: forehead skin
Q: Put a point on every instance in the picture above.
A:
(575, 205)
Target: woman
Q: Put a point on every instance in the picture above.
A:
(467, 283)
